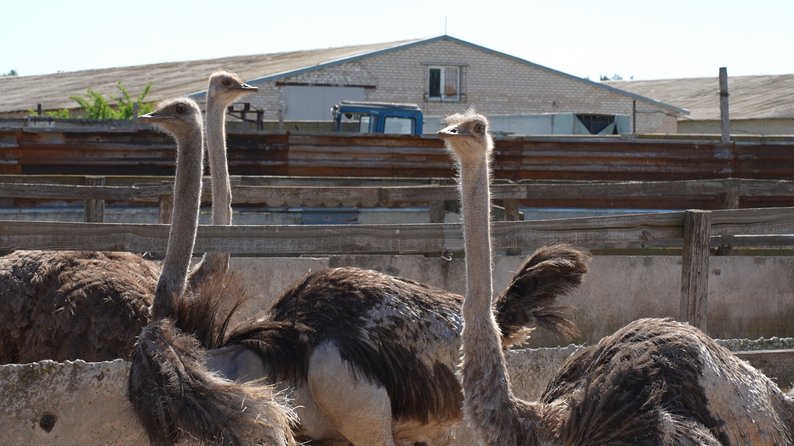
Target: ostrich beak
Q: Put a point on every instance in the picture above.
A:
(451, 131)
(149, 117)
(248, 87)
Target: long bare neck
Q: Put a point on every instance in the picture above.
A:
(487, 395)
(475, 201)
(213, 265)
(219, 168)
(182, 235)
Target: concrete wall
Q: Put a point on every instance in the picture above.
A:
(79, 403)
(749, 297)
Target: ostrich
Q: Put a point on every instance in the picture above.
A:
(653, 382)
(91, 305)
(163, 383)
(370, 358)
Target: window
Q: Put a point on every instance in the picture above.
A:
(402, 126)
(355, 122)
(443, 83)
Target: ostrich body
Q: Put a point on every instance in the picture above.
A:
(63, 305)
(371, 359)
(654, 382)
(89, 305)
(166, 378)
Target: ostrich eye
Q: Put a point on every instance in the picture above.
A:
(226, 82)
(479, 128)
(180, 108)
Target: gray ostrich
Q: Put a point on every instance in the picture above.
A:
(162, 377)
(91, 305)
(653, 382)
(371, 359)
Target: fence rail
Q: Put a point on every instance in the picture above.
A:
(370, 193)
(635, 230)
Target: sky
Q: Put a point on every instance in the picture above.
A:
(633, 39)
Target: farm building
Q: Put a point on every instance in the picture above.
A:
(441, 74)
(759, 105)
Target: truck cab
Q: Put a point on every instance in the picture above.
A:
(377, 117)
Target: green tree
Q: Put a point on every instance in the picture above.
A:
(10, 73)
(125, 106)
(96, 106)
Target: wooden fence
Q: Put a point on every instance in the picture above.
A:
(693, 231)
(133, 151)
(372, 193)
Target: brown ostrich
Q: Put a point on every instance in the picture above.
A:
(654, 382)
(164, 383)
(91, 305)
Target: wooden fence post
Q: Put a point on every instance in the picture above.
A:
(725, 121)
(731, 200)
(512, 213)
(94, 210)
(695, 268)
(437, 211)
(166, 208)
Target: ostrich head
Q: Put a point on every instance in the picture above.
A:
(467, 136)
(227, 87)
(175, 116)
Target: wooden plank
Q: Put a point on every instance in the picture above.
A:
(762, 221)
(114, 151)
(695, 268)
(143, 193)
(662, 194)
(330, 239)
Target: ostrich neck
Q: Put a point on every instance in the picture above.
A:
(475, 201)
(213, 265)
(182, 235)
(486, 383)
(219, 169)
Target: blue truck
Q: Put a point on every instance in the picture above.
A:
(377, 117)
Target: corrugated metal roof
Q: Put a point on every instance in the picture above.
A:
(168, 79)
(751, 97)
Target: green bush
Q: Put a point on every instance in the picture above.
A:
(63, 113)
(96, 106)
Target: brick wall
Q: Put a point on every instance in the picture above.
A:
(491, 82)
